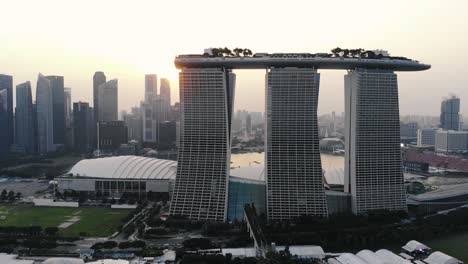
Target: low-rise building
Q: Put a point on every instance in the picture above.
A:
(448, 141)
(426, 136)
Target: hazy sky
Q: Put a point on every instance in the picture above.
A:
(127, 39)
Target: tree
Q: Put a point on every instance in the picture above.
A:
(51, 231)
(336, 51)
(11, 196)
(4, 194)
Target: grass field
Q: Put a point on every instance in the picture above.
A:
(455, 246)
(95, 222)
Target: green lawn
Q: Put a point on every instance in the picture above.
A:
(455, 246)
(96, 222)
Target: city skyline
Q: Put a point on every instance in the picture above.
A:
(72, 54)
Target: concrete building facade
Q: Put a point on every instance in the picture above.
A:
(206, 98)
(293, 164)
(373, 173)
(426, 136)
(448, 141)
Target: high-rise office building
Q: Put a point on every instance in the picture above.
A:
(409, 130)
(68, 107)
(373, 173)
(206, 98)
(6, 114)
(165, 90)
(134, 123)
(24, 118)
(110, 135)
(108, 101)
(98, 79)
(58, 108)
(248, 125)
(449, 116)
(293, 165)
(156, 110)
(150, 122)
(45, 117)
(426, 136)
(68, 119)
(151, 87)
(149, 133)
(82, 123)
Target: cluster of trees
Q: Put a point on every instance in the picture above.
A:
(104, 245)
(132, 244)
(351, 53)
(271, 258)
(225, 52)
(360, 53)
(348, 233)
(176, 222)
(197, 244)
(9, 196)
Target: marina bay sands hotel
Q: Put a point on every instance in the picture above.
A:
(293, 171)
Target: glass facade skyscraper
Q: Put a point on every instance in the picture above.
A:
(45, 117)
(6, 114)
(58, 108)
(24, 118)
(450, 113)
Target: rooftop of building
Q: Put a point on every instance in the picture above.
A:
(363, 59)
(443, 192)
(125, 167)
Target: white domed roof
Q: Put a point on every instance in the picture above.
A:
(125, 167)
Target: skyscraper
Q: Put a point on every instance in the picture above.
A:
(293, 165)
(248, 125)
(6, 113)
(373, 173)
(98, 79)
(58, 108)
(24, 118)
(82, 120)
(165, 90)
(110, 135)
(45, 117)
(149, 116)
(151, 87)
(68, 107)
(108, 101)
(449, 116)
(68, 119)
(134, 123)
(206, 98)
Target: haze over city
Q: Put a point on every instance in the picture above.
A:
(130, 39)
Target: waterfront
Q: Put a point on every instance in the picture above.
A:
(250, 165)
(255, 159)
